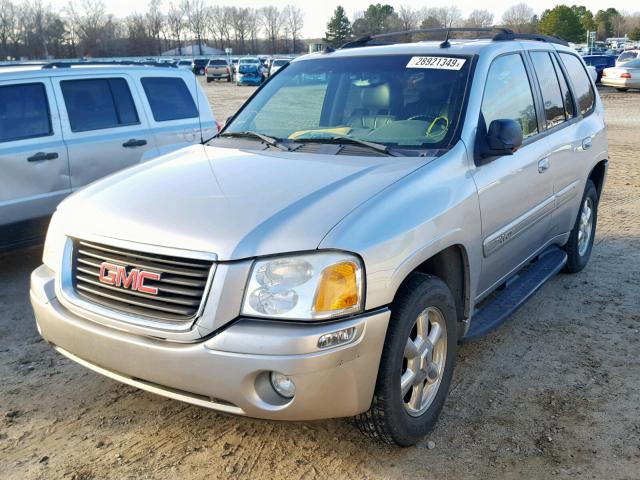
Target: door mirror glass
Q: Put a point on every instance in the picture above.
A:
(503, 138)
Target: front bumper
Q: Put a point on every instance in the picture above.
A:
(229, 371)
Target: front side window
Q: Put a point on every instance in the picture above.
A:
(550, 88)
(24, 112)
(581, 83)
(395, 100)
(98, 103)
(169, 98)
(508, 94)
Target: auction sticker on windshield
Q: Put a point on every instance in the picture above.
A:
(440, 63)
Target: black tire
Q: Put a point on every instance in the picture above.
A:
(577, 260)
(229, 78)
(209, 80)
(622, 89)
(387, 420)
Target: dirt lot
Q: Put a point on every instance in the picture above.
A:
(555, 392)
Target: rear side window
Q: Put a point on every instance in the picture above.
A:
(98, 103)
(585, 96)
(550, 88)
(508, 95)
(169, 98)
(24, 112)
(569, 108)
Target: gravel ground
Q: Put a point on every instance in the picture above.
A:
(554, 393)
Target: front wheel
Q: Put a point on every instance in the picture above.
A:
(580, 241)
(417, 363)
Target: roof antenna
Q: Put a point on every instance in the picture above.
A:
(446, 43)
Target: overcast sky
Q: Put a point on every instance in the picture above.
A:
(318, 12)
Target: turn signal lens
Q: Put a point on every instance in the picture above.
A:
(338, 288)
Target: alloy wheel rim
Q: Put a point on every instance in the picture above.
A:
(585, 226)
(424, 359)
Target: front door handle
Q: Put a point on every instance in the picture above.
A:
(134, 143)
(586, 143)
(41, 156)
(543, 165)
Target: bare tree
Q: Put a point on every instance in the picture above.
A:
(93, 25)
(176, 25)
(479, 18)
(519, 18)
(240, 25)
(253, 28)
(444, 17)
(272, 20)
(221, 24)
(294, 21)
(409, 17)
(155, 20)
(197, 15)
(7, 27)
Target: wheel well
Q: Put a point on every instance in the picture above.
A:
(597, 176)
(450, 266)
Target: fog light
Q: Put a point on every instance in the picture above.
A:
(336, 338)
(282, 384)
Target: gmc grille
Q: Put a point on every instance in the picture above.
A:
(181, 287)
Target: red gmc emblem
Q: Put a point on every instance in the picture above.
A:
(117, 275)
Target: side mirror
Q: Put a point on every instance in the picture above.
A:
(503, 138)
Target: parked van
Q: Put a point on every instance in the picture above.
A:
(62, 128)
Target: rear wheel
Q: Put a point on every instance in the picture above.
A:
(209, 80)
(622, 89)
(581, 239)
(229, 78)
(416, 365)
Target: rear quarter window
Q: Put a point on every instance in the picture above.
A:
(169, 98)
(582, 87)
(24, 112)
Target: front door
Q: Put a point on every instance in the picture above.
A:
(515, 191)
(34, 168)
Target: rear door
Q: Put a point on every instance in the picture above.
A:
(570, 137)
(104, 125)
(515, 193)
(34, 169)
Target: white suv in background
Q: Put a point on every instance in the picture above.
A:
(62, 128)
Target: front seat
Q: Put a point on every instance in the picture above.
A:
(376, 108)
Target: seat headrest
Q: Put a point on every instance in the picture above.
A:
(377, 97)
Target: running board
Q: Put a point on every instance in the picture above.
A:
(516, 292)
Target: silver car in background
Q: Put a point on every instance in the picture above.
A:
(624, 77)
(63, 128)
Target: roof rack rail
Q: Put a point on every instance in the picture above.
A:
(511, 35)
(72, 63)
(501, 35)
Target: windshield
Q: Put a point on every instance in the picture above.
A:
(218, 62)
(395, 100)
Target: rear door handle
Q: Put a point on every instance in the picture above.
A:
(543, 165)
(586, 143)
(41, 156)
(134, 143)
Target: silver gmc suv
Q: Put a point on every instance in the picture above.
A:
(364, 212)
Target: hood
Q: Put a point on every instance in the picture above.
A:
(234, 203)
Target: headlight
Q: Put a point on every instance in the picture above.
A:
(54, 244)
(312, 286)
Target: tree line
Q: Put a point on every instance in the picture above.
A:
(31, 29)
(568, 22)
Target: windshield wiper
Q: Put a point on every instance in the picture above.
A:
(378, 147)
(265, 138)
